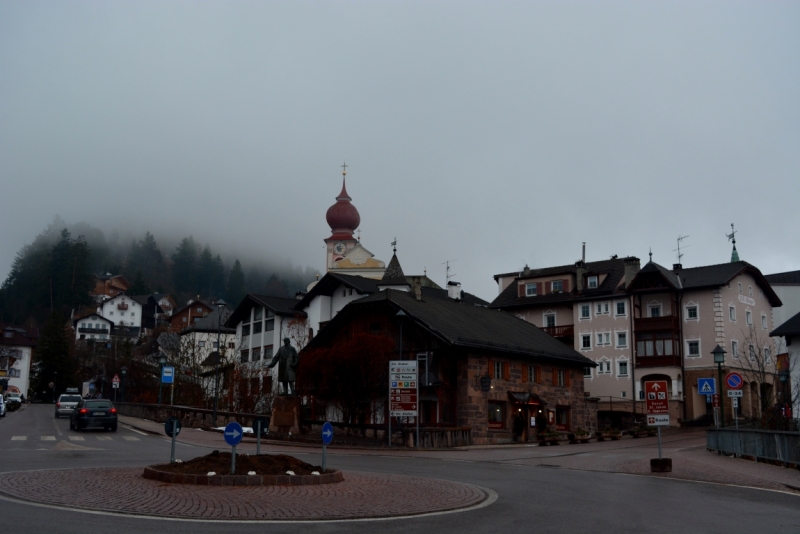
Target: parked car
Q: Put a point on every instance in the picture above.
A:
(93, 412)
(66, 403)
(13, 401)
(2, 407)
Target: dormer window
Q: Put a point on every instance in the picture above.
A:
(592, 282)
(530, 290)
(557, 286)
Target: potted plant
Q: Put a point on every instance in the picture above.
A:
(580, 436)
(612, 433)
(552, 436)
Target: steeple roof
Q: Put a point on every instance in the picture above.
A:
(393, 271)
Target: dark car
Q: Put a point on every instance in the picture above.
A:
(94, 412)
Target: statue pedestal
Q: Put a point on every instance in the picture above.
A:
(285, 415)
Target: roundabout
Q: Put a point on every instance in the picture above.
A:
(360, 496)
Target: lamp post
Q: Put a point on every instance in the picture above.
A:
(123, 371)
(719, 359)
(220, 307)
(162, 359)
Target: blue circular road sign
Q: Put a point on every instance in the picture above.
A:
(327, 433)
(233, 434)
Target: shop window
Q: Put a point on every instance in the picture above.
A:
(562, 418)
(497, 415)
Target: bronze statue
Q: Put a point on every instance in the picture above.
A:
(287, 356)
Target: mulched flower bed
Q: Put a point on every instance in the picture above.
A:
(263, 464)
(270, 470)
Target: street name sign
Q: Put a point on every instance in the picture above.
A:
(734, 393)
(167, 374)
(706, 386)
(656, 397)
(658, 420)
(734, 380)
(233, 434)
(403, 388)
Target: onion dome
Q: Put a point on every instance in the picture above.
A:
(343, 217)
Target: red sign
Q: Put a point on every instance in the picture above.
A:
(715, 401)
(734, 380)
(656, 397)
(115, 380)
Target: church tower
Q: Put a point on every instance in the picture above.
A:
(343, 218)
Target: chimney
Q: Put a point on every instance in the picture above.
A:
(416, 288)
(454, 290)
(580, 275)
(631, 268)
(677, 266)
(583, 255)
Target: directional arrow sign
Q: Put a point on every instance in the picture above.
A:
(233, 434)
(656, 400)
(327, 433)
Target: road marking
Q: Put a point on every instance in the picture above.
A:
(48, 438)
(19, 438)
(76, 438)
(104, 438)
(131, 438)
(56, 427)
(134, 430)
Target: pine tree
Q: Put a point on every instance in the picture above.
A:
(184, 267)
(53, 360)
(236, 291)
(205, 272)
(139, 287)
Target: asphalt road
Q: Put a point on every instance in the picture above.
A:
(530, 499)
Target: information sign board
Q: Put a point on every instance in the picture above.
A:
(706, 386)
(734, 393)
(656, 397)
(658, 420)
(403, 388)
(167, 374)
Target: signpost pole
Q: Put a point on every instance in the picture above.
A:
(258, 437)
(659, 443)
(323, 457)
(172, 452)
(233, 460)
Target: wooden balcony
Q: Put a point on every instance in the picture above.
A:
(83, 330)
(650, 324)
(122, 306)
(567, 330)
(658, 361)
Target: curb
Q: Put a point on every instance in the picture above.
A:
(243, 480)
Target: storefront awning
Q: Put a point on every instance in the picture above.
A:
(523, 397)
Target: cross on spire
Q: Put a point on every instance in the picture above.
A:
(344, 169)
(651, 253)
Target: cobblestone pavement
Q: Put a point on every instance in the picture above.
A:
(361, 495)
(686, 447)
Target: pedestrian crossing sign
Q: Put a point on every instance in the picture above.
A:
(706, 386)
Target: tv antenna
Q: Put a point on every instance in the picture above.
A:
(447, 270)
(678, 250)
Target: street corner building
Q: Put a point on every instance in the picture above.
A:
(481, 369)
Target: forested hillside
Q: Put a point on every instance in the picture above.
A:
(56, 272)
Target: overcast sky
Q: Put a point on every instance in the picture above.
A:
(494, 134)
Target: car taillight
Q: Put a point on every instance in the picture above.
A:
(58, 405)
(113, 410)
(84, 410)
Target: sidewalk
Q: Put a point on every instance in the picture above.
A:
(686, 447)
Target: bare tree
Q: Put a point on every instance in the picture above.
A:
(298, 331)
(766, 370)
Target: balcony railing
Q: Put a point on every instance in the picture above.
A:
(567, 330)
(83, 330)
(658, 361)
(668, 322)
(122, 306)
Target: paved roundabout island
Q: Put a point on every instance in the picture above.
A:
(359, 496)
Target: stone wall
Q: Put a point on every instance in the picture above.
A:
(473, 403)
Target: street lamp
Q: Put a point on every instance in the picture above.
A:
(220, 307)
(719, 359)
(123, 371)
(162, 359)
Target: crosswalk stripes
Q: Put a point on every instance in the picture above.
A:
(76, 438)
(48, 438)
(131, 438)
(104, 438)
(19, 438)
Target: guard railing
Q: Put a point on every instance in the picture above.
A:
(761, 445)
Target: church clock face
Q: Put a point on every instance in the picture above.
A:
(339, 248)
